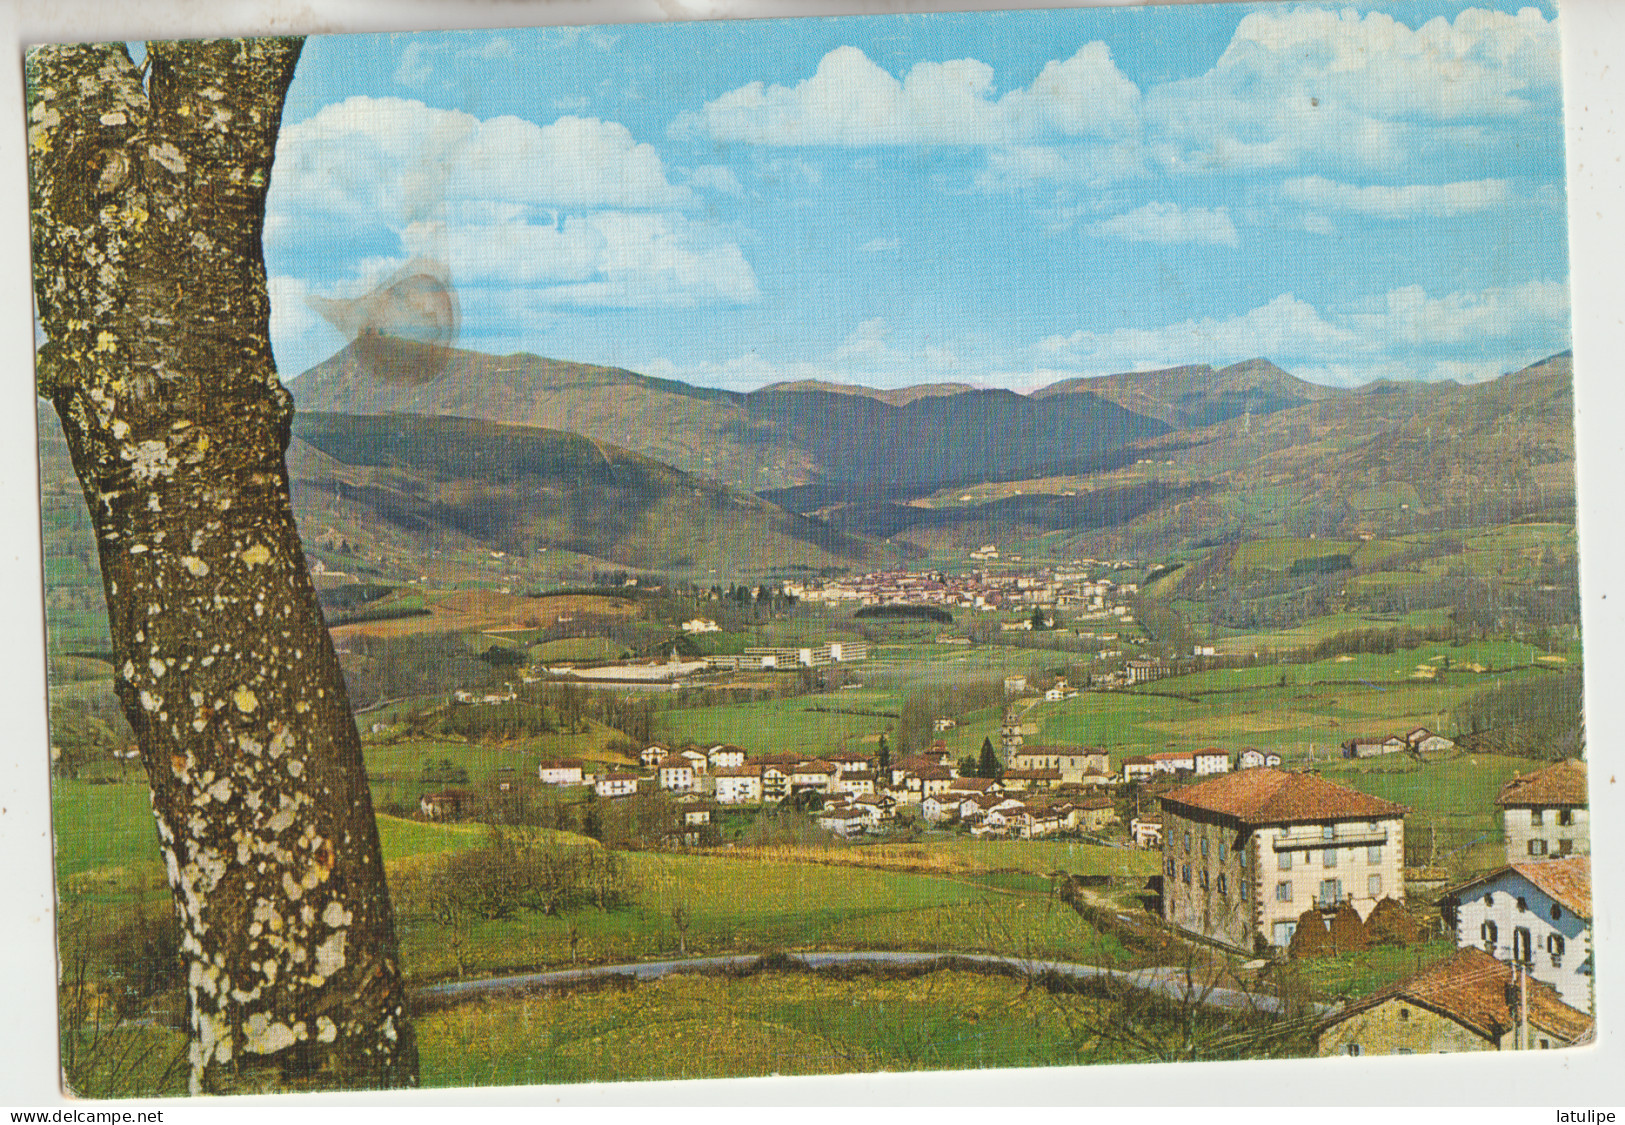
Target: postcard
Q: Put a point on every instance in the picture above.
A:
(810, 546)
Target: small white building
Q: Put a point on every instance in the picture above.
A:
(725, 757)
(678, 777)
(616, 785)
(560, 773)
(1211, 760)
(1537, 915)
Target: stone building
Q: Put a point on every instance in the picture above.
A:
(1469, 1002)
(1246, 853)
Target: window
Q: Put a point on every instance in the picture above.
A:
(1331, 893)
(1373, 854)
(1204, 847)
(1522, 946)
(1537, 817)
(1406, 1051)
(1489, 900)
(1283, 892)
(1168, 869)
(1565, 847)
(1223, 890)
(1281, 934)
(1537, 847)
(1523, 905)
(1373, 886)
(1488, 933)
(1185, 874)
(1328, 831)
(1330, 858)
(1404, 1013)
(1557, 912)
(1545, 1044)
(1554, 946)
(1565, 817)
(1204, 878)
(1284, 861)
(1353, 1050)
(1241, 890)
(1222, 850)
(1187, 841)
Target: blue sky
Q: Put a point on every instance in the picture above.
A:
(1003, 199)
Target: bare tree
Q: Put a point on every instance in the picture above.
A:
(148, 196)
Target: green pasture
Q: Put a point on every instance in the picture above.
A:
(786, 725)
(691, 1026)
(738, 905)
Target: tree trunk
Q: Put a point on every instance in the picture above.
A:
(148, 195)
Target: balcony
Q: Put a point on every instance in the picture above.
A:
(1345, 836)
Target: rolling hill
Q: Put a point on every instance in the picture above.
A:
(1197, 394)
(780, 437)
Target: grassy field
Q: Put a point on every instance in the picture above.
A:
(731, 905)
(769, 1023)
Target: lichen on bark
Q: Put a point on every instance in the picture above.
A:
(147, 194)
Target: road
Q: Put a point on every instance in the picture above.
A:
(1169, 981)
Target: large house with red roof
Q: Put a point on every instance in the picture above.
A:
(1546, 813)
(1537, 915)
(1246, 853)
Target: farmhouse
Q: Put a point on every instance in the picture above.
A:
(677, 776)
(738, 785)
(560, 773)
(653, 754)
(1251, 758)
(1533, 914)
(1211, 760)
(616, 785)
(725, 756)
(1138, 768)
(448, 804)
(1246, 853)
(1374, 747)
(1424, 742)
(1470, 1002)
(1545, 813)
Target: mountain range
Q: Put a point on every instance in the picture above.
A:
(413, 477)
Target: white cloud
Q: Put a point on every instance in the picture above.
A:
(1168, 223)
(1303, 83)
(850, 100)
(396, 161)
(1406, 202)
(879, 246)
(1408, 317)
(1286, 326)
(1394, 336)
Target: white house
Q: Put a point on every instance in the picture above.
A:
(738, 785)
(560, 773)
(725, 757)
(1211, 760)
(676, 776)
(1546, 814)
(1537, 915)
(654, 754)
(695, 759)
(616, 785)
(844, 822)
(1252, 758)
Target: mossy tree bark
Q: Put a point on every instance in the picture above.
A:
(148, 199)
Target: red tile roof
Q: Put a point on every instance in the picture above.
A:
(1561, 784)
(1272, 796)
(1480, 993)
(1566, 881)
